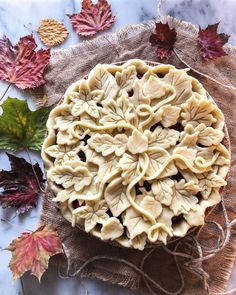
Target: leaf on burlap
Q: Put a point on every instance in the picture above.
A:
(19, 187)
(21, 128)
(164, 39)
(21, 64)
(211, 42)
(32, 250)
(92, 18)
(52, 32)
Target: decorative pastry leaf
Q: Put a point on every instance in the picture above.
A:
(19, 187)
(154, 88)
(138, 97)
(170, 115)
(157, 158)
(85, 101)
(101, 79)
(195, 217)
(135, 223)
(69, 177)
(52, 32)
(183, 200)
(63, 120)
(210, 180)
(139, 241)
(125, 79)
(211, 42)
(92, 18)
(65, 138)
(137, 143)
(21, 64)
(63, 153)
(106, 144)
(165, 218)
(131, 166)
(188, 153)
(92, 214)
(209, 136)
(164, 138)
(112, 229)
(105, 165)
(120, 111)
(115, 196)
(197, 111)
(164, 39)
(21, 128)
(163, 190)
(151, 205)
(32, 250)
(182, 84)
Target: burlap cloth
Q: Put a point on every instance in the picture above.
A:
(69, 65)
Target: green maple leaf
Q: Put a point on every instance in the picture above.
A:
(20, 128)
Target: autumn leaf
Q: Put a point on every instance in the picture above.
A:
(92, 18)
(19, 187)
(211, 42)
(32, 250)
(21, 64)
(164, 39)
(21, 128)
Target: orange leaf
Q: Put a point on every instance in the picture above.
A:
(31, 251)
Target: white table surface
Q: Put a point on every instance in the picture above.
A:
(16, 17)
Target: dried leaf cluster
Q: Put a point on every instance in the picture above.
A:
(211, 43)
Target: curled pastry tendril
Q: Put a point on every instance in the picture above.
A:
(131, 186)
(150, 141)
(149, 112)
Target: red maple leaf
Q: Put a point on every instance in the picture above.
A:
(164, 39)
(211, 42)
(19, 187)
(92, 18)
(21, 64)
(32, 250)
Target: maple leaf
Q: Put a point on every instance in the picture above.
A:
(164, 39)
(211, 42)
(92, 18)
(32, 250)
(19, 187)
(21, 64)
(21, 128)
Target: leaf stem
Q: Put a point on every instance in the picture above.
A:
(35, 174)
(22, 285)
(9, 85)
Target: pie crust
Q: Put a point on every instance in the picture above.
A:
(134, 153)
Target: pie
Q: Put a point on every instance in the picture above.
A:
(134, 153)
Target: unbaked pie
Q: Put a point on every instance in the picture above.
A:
(134, 153)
